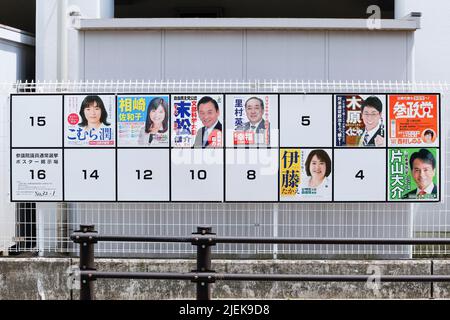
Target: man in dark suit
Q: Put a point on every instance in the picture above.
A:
(254, 109)
(422, 164)
(210, 135)
(373, 134)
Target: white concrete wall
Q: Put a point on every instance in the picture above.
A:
(16, 60)
(57, 43)
(7, 216)
(432, 45)
(247, 55)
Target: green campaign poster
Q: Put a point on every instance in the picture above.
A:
(413, 174)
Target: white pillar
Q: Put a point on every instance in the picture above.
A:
(59, 56)
(432, 47)
(58, 49)
(47, 34)
(400, 9)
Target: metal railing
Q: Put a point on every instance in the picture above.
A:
(264, 85)
(204, 275)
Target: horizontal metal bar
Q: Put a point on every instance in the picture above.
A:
(138, 275)
(410, 24)
(338, 278)
(214, 239)
(380, 241)
(211, 276)
(144, 239)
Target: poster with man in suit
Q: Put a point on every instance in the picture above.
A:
(360, 121)
(413, 174)
(197, 120)
(251, 118)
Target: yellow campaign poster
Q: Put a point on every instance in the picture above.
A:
(305, 174)
(289, 171)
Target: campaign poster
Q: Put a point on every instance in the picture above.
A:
(89, 120)
(360, 120)
(305, 174)
(413, 174)
(143, 120)
(252, 120)
(197, 120)
(413, 120)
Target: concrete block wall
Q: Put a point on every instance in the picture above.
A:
(43, 278)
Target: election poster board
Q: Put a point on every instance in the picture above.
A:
(197, 120)
(360, 120)
(143, 120)
(89, 120)
(412, 170)
(226, 147)
(252, 120)
(413, 120)
(306, 174)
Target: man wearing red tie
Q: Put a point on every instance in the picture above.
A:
(423, 165)
(210, 135)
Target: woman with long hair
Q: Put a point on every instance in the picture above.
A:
(156, 121)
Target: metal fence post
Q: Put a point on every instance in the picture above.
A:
(87, 261)
(203, 240)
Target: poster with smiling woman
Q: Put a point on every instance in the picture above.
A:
(305, 175)
(89, 120)
(143, 120)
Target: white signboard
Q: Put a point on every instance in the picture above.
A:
(36, 174)
(233, 147)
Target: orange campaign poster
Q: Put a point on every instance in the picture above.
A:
(413, 120)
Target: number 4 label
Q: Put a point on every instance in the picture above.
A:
(360, 174)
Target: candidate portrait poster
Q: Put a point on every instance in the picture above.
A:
(143, 120)
(413, 120)
(413, 174)
(305, 174)
(252, 120)
(89, 120)
(197, 120)
(360, 120)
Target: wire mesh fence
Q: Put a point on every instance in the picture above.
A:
(45, 227)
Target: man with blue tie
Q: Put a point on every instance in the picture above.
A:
(373, 135)
(210, 135)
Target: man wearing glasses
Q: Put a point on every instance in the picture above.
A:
(373, 135)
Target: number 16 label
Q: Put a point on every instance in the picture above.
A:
(36, 175)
